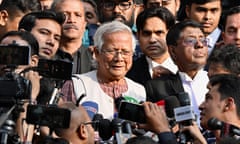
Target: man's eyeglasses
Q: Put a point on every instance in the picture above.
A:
(94, 124)
(193, 41)
(111, 5)
(111, 53)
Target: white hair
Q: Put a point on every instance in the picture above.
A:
(108, 28)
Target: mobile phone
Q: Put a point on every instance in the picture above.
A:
(131, 111)
(14, 54)
(57, 69)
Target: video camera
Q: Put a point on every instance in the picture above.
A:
(56, 69)
(13, 87)
(50, 116)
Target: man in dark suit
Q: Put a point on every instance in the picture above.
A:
(152, 28)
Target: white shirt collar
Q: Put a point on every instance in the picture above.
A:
(168, 64)
(213, 37)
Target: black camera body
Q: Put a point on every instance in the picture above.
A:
(51, 116)
(13, 90)
(56, 69)
(14, 54)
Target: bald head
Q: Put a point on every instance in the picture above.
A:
(78, 116)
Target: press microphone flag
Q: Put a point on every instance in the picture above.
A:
(184, 113)
(91, 108)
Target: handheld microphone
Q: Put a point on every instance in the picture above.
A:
(226, 129)
(91, 108)
(171, 103)
(184, 115)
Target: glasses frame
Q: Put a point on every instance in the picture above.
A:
(113, 53)
(94, 124)
(120, 5)
(189, 41)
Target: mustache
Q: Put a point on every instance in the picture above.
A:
(158, 46)
(117, 16)
(70, 26)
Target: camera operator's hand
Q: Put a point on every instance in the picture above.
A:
(195, 133)
(156, 118)
(34, 77)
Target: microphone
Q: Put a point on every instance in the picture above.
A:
(226, 129)
(96, 120)
(105, 129)
(171, 103)
(91, 108)
(184, 116)
(118, 126)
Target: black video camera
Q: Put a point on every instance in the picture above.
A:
(12, 86)
(56, 69)
(12, 90)
(14, 54)
(50, 116)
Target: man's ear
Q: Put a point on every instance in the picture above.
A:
(3, 17)
(96, 53)
(229, 104)
(187, 10)
(178, 3)
(34, 60)
(171, 50)
(82, 132)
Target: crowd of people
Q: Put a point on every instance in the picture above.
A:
(137, 51)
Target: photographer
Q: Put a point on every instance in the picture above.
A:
(21, 38)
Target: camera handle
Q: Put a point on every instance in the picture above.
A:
(56, 94)
(7, 126)
(5, 116)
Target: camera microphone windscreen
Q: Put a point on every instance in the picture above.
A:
(226, 129)
(215, 124)
(91, 108)
(171, 103)
(184, 99)
(97, 117)
(105, 129)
